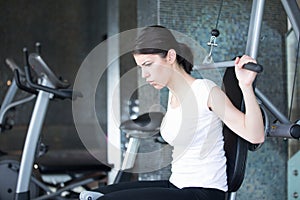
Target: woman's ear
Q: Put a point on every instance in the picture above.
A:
(171, 56)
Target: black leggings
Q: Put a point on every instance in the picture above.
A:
(157, 190)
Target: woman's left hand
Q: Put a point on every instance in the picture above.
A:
(244, 76)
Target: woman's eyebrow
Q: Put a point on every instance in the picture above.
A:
(144, 63)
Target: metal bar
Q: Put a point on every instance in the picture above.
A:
(254, 28)
(232, 196)
(40, 184)
(14, 104)
(131, 152)
(223, 64)
(9, 96)
(292, 10)
(57, 193)
(253, 39)
(31, 141)
(265, 101)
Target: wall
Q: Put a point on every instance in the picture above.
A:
(68, 31)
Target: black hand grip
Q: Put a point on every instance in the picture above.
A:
(253, 67)
(21, 85)
(57, 93)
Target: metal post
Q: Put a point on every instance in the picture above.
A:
(29, 151)
(292, 10)
(254, 28)
(232, 196)
(131, 152)
(253, 40)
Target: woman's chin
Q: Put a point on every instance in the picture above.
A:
(157, 86)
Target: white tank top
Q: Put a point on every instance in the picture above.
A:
(195, 133)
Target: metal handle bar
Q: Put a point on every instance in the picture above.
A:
(41, 68)
(32, 87)
(21, 85)
(284, 130)
(13, 66)
(249, 66)
(58, 93)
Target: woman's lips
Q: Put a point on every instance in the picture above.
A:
(151, 82)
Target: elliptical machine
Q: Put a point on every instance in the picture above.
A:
(22, 180)
(10, 163)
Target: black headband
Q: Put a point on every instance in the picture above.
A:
(156, 37)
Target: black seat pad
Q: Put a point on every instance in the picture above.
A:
(236, 148)
(146, 122)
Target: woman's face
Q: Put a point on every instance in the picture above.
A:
(155, 69)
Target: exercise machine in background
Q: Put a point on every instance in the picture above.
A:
(23, 179)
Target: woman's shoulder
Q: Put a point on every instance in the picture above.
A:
(205, 83)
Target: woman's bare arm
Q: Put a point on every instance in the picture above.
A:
(248, 125)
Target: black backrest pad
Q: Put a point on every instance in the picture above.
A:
(236, 148)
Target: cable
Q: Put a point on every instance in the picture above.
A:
(219, 14)
(214, 34)
(294, 81)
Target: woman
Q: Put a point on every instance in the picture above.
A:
(192, 123)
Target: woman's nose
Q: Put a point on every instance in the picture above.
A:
(145, 73)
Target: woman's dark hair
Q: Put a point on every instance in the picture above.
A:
(159, 40)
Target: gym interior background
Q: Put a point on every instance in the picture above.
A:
(68, 30)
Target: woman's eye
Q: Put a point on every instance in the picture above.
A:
(147, 64)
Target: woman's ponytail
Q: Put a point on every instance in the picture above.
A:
(185, 57)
